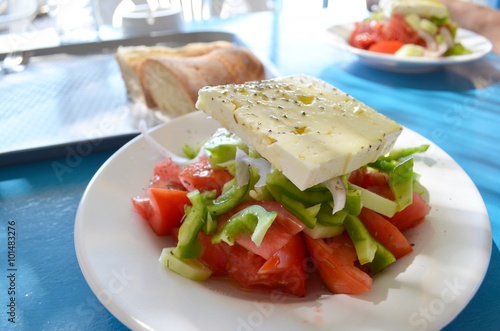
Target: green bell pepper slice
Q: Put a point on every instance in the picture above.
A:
(232, 196)
(306, 214)
(189, 268)
(188, 245)
(401, 183)
(353, 202)
(401, 175)
(399, 153)
(325, 216)
(369, 250)
(254, 220)
(221, 147)
(311, 196)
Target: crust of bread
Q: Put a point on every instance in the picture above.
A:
(173, 82)
(130, 58)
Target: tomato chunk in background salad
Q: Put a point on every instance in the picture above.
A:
(394, 33)
(288, 252)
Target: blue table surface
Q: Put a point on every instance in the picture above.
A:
(457, 107)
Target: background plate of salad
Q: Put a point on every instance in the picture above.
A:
(119, 255)
(478, 46)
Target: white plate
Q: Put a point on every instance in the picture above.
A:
(338, 36)
(118, 255)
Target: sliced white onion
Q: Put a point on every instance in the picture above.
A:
(433, 48)
(243, 161)
(242, 174)
(430, 41)
(448, 38)
(337, 188)
(442, 48)
(165, 152)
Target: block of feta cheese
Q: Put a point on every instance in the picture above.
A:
(305, 127)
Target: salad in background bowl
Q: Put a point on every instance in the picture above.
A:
(409, 28)
(477, 46)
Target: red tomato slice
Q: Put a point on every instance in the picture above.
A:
(386, 233)
(386, 46)
(374, 181)
(284, 227)
(214, 256)
(336, 266)
(292, 254)
(141, 206)
(285, 218)
(201, 176)
(253, 272)
(283, 267)
(365, 34)
(370, 32)
(166, 175)
(165, 210)
(377, 182)
(364, 178)
(412, 215)
(396, 28)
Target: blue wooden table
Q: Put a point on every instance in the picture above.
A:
(458, 108)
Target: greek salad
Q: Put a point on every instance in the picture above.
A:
(409, 28)
(234, 215)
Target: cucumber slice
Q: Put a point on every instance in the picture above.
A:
(369, 250)
(365, 245)
(188, 268)
(376, 202)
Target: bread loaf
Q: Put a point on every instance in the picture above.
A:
(129, 60)
(172, 83)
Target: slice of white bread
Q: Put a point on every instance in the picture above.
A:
(129, 60)
(172, 83)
